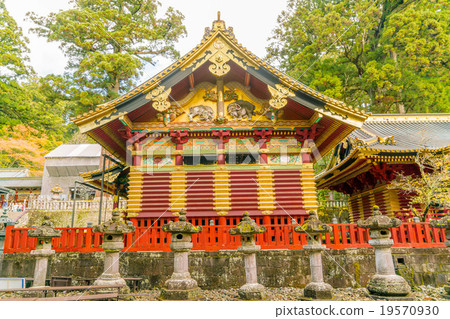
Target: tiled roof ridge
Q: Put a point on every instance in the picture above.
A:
(408, 117)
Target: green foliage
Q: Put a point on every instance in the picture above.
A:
(13, 68)
(26, 102)
(432, 186)
(385, 56)
(107, 42)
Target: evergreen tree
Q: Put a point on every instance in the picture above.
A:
(107, 42)
(386, 56)
(13, 69)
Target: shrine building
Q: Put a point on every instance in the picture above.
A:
(365, 163)
(217, 133)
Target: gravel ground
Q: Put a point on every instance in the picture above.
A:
(423, 293)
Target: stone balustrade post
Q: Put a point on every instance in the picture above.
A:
(43, 251)
(385, 284)
(113, 235)
(314, 228)
(181, 286)
(444, 222)
(247, 229)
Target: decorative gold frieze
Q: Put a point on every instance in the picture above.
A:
(279, 95)
(219, 66)
(159, 98)
(228, 95)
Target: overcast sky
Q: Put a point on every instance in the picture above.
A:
(252, 21)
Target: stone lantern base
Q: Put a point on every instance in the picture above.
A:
(191, 294)
(180, 287)
(318, 290)
(252, 292)
(111, 280)
(447, 290)
(391, 287)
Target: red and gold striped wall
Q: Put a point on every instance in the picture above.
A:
(222, 192)
(389, 201)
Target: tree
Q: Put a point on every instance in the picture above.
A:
(25, 100)
(432, 187)
(108, 42)
(383, 55)
(22, 146)
(13, 69)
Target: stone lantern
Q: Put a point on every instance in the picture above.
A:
(43, 251)
(314, 228)
(444, 222)
(247, 229)
(385, 282)
(181, 286)
(113, 237)
(56, 190)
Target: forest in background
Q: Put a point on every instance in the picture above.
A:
(382, 56)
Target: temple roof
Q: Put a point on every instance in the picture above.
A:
(386, 139)
(14, 172)
(410, 132)
(110, 175)
(218, 49)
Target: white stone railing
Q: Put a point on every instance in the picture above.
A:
(335, 203)
(85, 205)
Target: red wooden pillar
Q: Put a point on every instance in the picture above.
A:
(306, 158)
(179, 157)
(137, 159)
(179, 138)
(262, 136)
(222, 136)
(221, 155)
(222, 221)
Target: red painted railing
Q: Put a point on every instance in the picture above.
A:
(213, 238)
(407, 215)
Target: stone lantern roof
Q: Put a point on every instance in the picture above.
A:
(5, 220)
(313, 226)
(46, 230)
(378, 221)
(114, 226)
(444, 222)
(181, 226)
(247, 227)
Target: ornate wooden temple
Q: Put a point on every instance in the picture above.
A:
(217, 133)
(366, 162)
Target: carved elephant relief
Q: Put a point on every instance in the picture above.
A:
(205, 113)
(241, 110)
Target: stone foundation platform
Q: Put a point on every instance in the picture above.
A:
(225, 269)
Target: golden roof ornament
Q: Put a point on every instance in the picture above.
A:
(279, 96)
(159, 98)
(218, 25)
